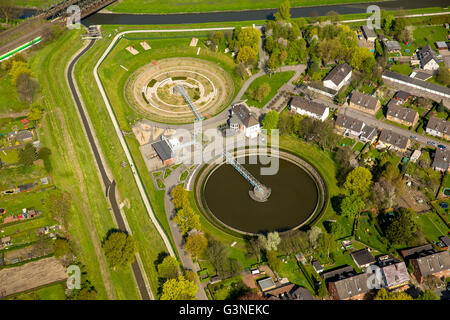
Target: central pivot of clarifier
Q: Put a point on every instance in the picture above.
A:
(260, 192)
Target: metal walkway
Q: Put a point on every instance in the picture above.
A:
(247, 175)
(182, 91)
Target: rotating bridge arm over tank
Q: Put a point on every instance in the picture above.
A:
(244, 172)
(182, 91)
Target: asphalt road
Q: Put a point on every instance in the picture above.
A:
(110, 186)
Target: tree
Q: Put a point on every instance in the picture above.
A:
(401, 228)
(383, 294)
(245, 54)
(270, 242)
(26, 86)
(260, 92)
(44, 153)
(443, 76)
(187, 219)
(179, 289)
(362, 59)
(358, 182)
(327, 244)
(270, 121)
(179, 196)
(254, 247)
(58, 204)
(87, 294)
(273, 62)
(9, 10)
(388, 21)
(120, 249)
(333, 16)
(216, 253)
(273, 260)
(27, 155)
(168, 268)
(35, 113)
(18, 68)
(284, 11)
(440, 106)
(351, 206)
(196, 245)
(427, 295)
(246, 37)
(313, 237)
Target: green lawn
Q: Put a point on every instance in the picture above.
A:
(275, 81)
(359, 146)
(74, 169)
(176, 6)
(424, 35)
(291, 270)
(346, 141)
(167, 45)
(9, 101)
(35, 3)
(432, 226)
(149, 241)
(402, 68)
(51, 292)
(9, 156)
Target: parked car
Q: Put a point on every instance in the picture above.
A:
(413, 137)
(431, 143)
(442, 147)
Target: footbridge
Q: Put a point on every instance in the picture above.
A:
(179, 88)
(260, 192)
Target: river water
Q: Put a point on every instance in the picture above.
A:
(190, 18)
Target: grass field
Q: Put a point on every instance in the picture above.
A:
(51, 292)
(275, 81)
(402, 68)
(174, 6)
(9, 101)
(74, 169)
(150, 243)
(35, 3)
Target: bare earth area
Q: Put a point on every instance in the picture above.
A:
(31, 275)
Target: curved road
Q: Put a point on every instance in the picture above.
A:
(110, 186)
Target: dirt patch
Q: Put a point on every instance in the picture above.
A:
(31, 275)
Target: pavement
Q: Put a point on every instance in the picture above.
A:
(110, 186)
(171, 181)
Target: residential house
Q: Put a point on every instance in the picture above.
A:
(414, 252)
(428, 58)
(446, 241)
(164, 152)
(338, 77)
(402, 115)
(354, 287)
(390, 139)
(317, 266)
(349, 125)
(436, 264)
(317, 87)
(309, 108)
(364, 102)
(266, 284)
(363, 258)
(438, 127)
(245, 121)
(369, 33)
(24, 136)
(415, 156)
(392, 46)
(402, 96)
(433, 91)
(395, 275)
(441, 161)
(368, 134)
(280, 291)
(300, 293)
